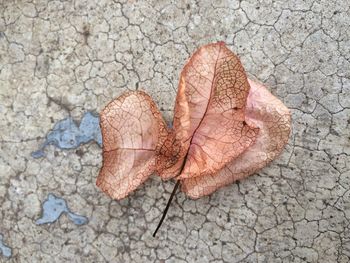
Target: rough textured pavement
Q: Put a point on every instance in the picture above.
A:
(60, 59)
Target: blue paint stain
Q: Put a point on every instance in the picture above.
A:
(5, 250)
(54, 207)
(67, 135)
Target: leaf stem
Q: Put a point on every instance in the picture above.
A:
(167, 207)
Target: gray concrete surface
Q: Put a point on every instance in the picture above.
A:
(64, 58)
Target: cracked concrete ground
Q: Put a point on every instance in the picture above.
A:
(64, 58)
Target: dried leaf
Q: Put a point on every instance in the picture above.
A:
(273, 118)
(209, 120)
(133, 132)
(225, 128)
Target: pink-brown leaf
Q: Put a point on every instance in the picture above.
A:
(133, 132)
(225, 128)
(273, 118)
(209, 120)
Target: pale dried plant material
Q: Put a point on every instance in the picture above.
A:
(225, 128)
